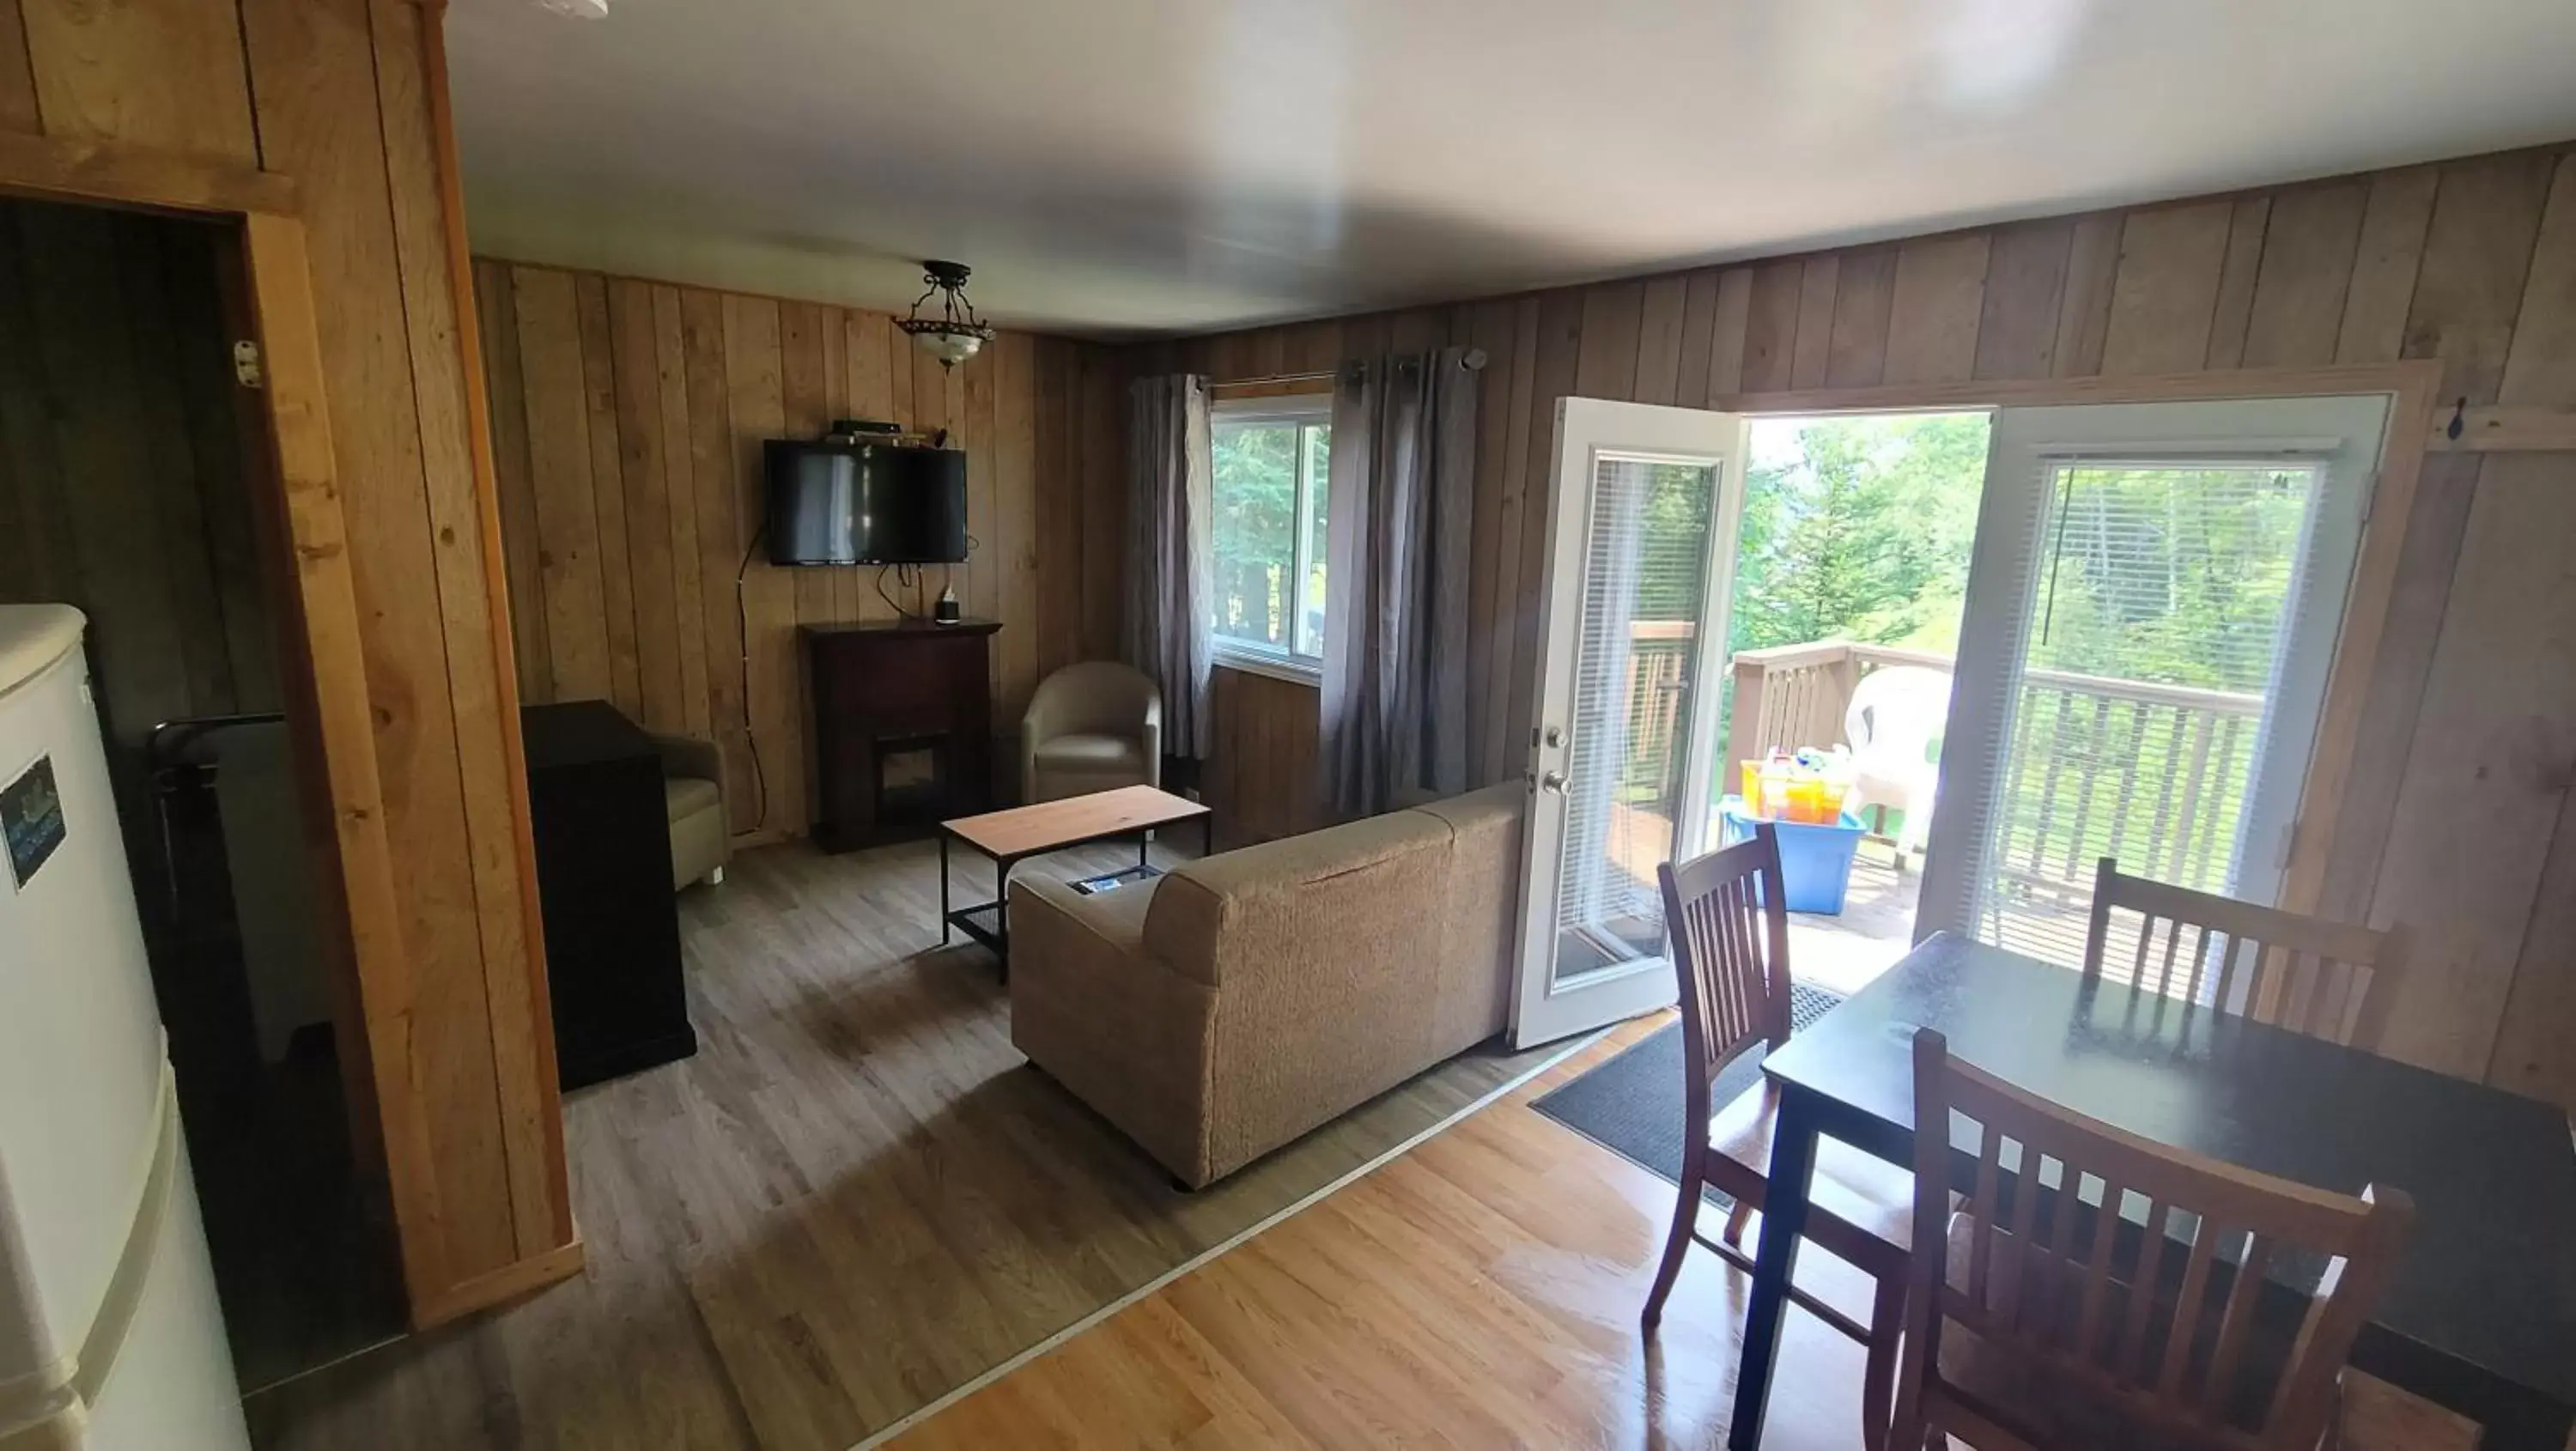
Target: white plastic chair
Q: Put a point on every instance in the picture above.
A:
(1895, 715)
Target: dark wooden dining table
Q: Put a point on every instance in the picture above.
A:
(2481, 1314)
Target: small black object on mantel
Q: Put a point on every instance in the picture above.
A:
(947, 611)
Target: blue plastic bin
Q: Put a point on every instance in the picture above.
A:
(1815, 860)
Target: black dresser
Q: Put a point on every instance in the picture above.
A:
(612, 925)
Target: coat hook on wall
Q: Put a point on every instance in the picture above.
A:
(2459, 419)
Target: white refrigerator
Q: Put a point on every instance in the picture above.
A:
(110, 1336)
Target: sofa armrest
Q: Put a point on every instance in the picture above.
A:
(1109, 1021)
(689, 757)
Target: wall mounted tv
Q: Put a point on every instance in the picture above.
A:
(864, 503)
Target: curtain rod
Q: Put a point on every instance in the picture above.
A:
(1473, 361)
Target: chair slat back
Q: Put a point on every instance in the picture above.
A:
(1726, 917)
(2326, 979)
(2082, 1296)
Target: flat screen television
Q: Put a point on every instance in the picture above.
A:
(864, 503)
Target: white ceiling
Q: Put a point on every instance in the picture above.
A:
(1119, 166)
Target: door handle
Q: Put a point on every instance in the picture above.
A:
(1553, 781)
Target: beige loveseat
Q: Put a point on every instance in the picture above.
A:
(1222, 1010)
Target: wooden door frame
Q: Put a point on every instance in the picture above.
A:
(301, 505)
(2411, 387)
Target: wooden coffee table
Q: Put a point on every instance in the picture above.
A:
(1012, 837)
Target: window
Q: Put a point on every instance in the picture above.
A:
(1272, 486)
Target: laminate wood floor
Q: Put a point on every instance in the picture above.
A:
(1482, 1290)
(856, 1197)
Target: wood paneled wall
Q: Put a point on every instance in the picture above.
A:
(627, 423)
(2459, 820)
(1262, 784)
(121, 482)
(345, 98)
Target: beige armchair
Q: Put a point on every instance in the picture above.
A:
(1091, 727)
(693, 794)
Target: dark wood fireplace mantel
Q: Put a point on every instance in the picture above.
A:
(902, 727)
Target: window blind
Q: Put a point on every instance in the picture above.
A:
(1644, 582)
(2150, 620)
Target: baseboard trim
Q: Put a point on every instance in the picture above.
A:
(493, 1287)
(483, 1292)
(1494, 1095)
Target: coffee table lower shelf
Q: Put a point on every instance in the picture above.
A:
(990, 922)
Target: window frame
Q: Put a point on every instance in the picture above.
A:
(1306, 410)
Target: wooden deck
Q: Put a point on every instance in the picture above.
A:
(1876, 926)
(1844, 952)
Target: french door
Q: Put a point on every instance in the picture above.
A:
(2152, 608)
(1619, 767)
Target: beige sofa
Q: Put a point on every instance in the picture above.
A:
(1224, 1009)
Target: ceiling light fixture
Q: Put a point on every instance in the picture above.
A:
(956, 333)
(578, 9)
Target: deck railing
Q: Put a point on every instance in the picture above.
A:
(1658, 670)
(2152, 774)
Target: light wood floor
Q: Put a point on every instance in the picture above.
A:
(855, 1198)
(1480, 1291)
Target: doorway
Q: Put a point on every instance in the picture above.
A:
(137, 485)
(2025, 639)
(1851, 554)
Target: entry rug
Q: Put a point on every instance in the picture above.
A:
(1632, 1105)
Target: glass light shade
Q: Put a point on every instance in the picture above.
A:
(949, 346)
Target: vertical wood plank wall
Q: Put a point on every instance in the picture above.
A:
(1263, 784)
(338, 95)
(2460, 820)
(627, 423)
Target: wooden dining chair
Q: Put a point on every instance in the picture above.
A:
(2329, 980)
(2078, 1328)
(1729, 931)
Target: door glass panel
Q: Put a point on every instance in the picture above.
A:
(2160, 607)
(1644, 582)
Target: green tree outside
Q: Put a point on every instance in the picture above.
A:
(1859, 529)
(1255, 529)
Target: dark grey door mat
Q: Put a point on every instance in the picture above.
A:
(1632, 1105)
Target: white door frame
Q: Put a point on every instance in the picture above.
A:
(2343, 436)
(1588, 430)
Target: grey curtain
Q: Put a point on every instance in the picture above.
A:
(1395, 643)
(1169, 507)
